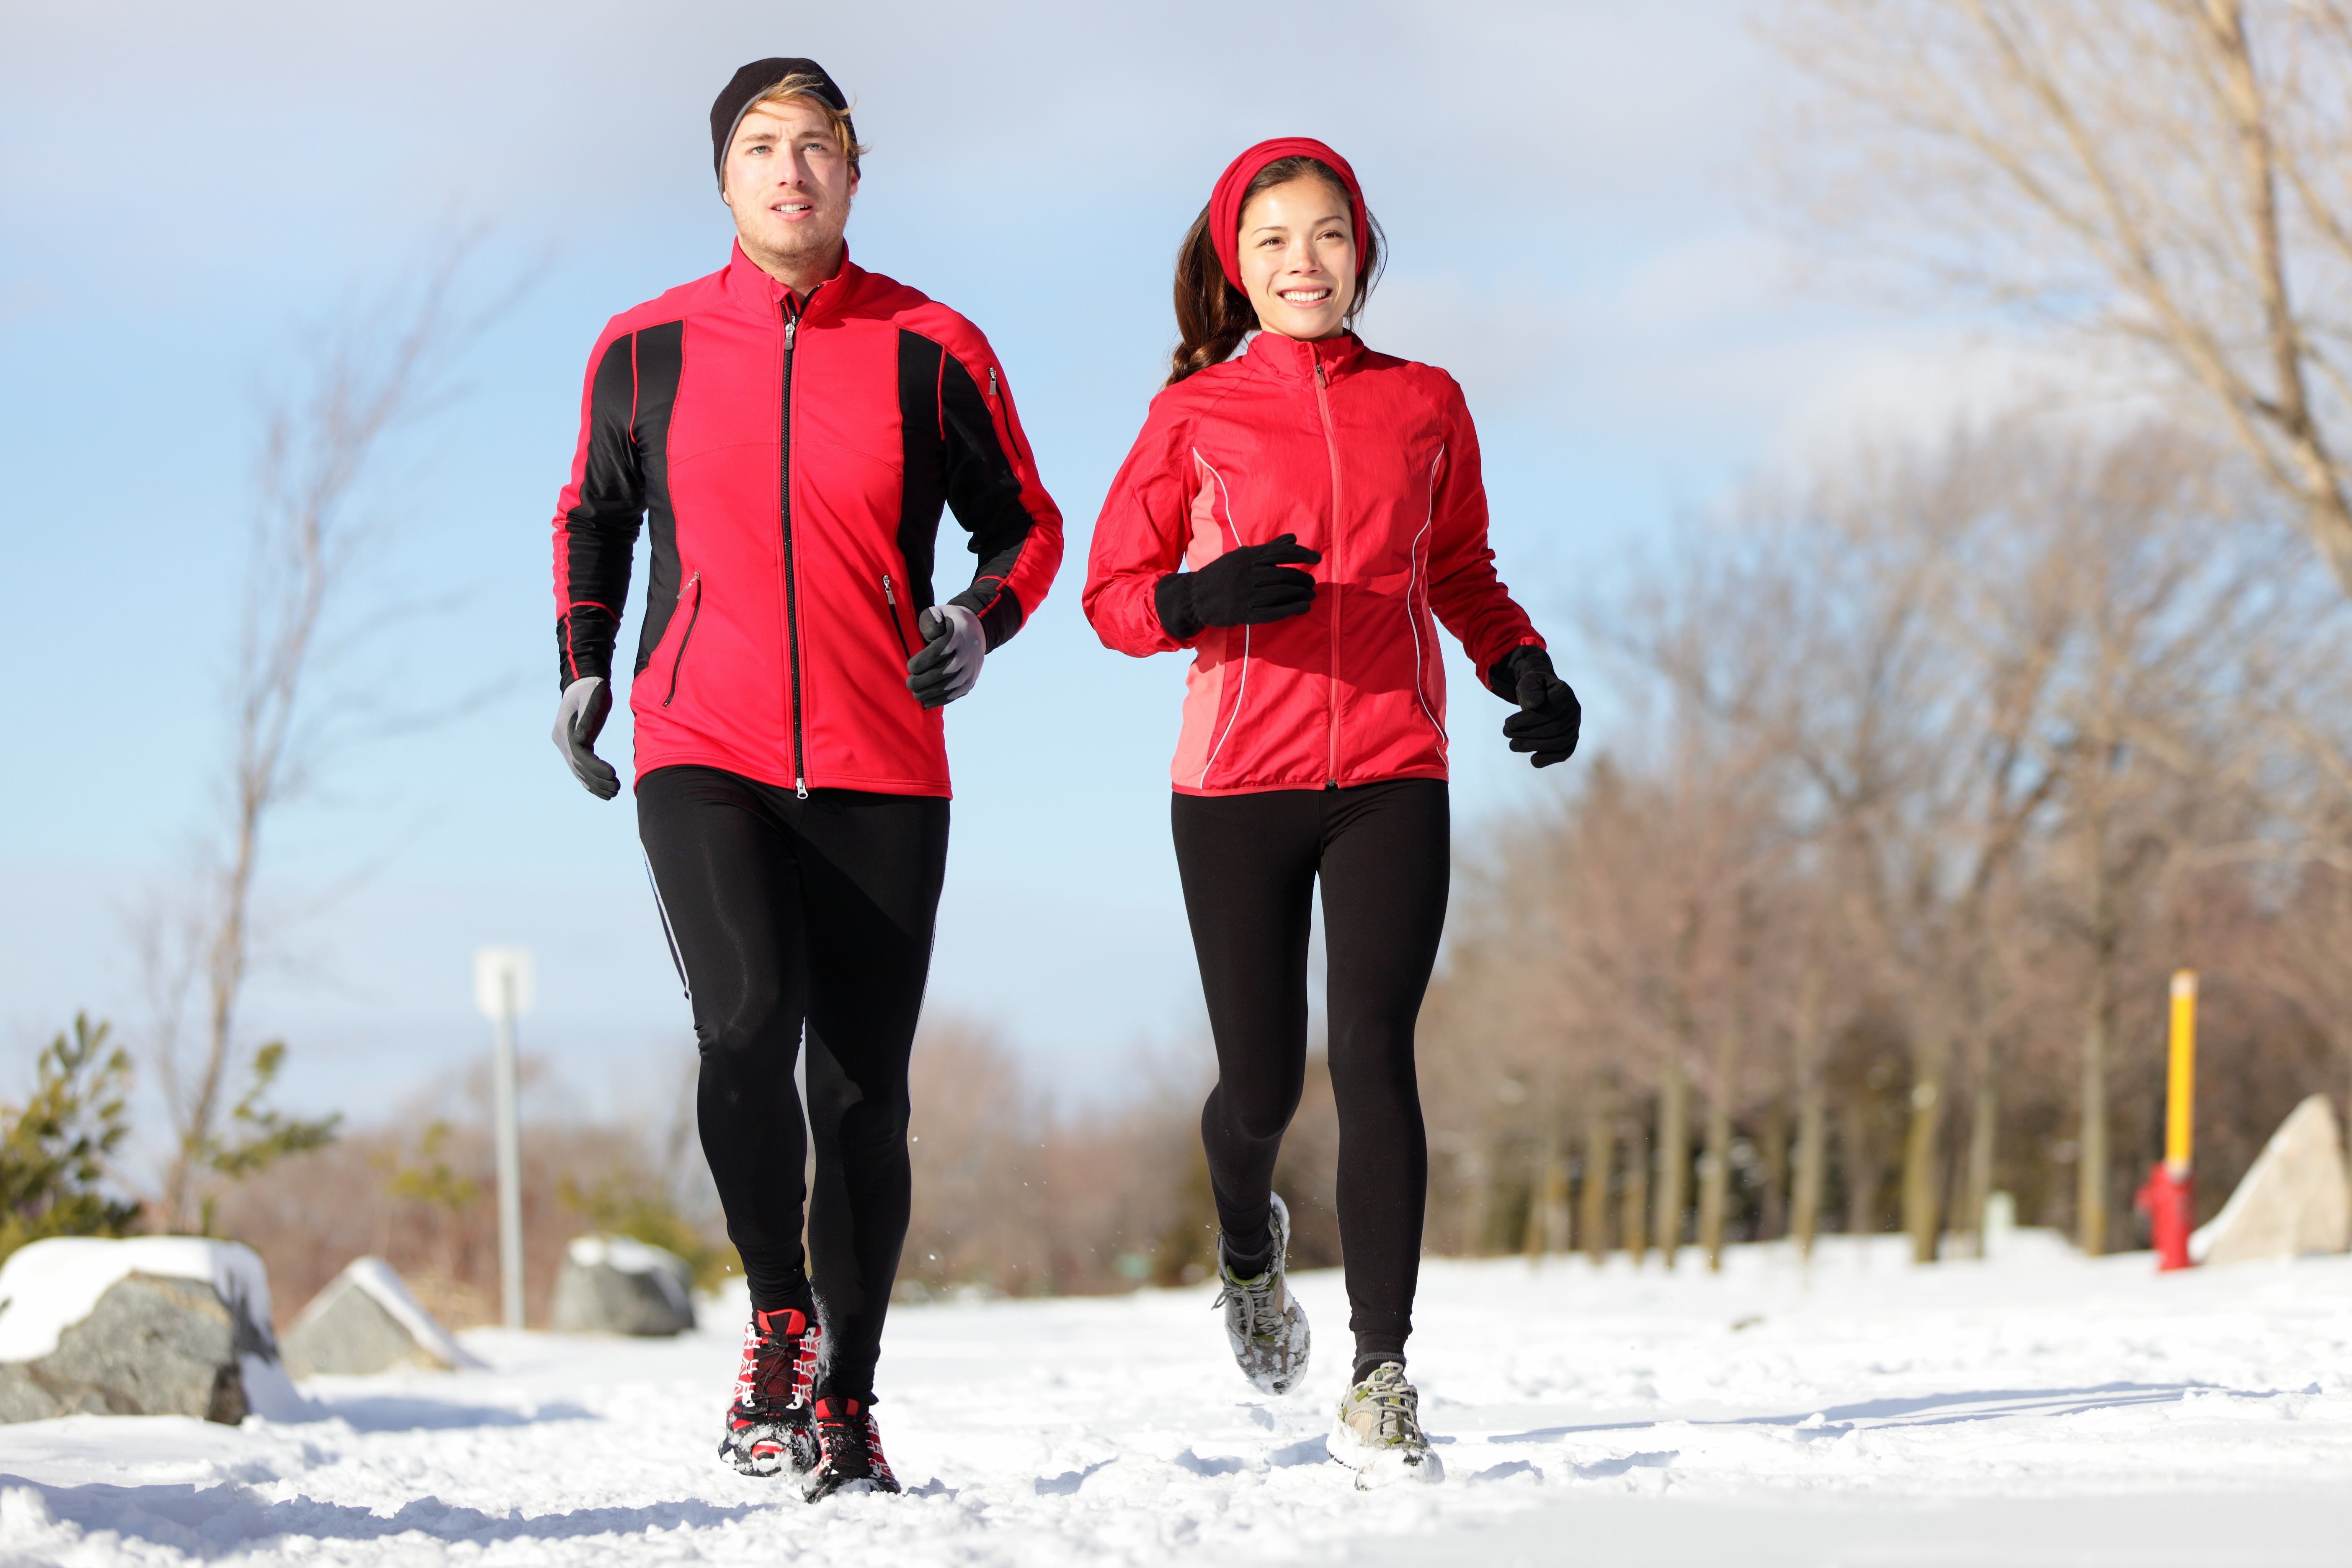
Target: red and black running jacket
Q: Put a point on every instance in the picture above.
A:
(1372, 460)
(793, 458)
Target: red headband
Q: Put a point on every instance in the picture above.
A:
(1225, 203)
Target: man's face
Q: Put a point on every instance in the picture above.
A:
(789, 186)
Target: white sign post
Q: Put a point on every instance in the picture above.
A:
(502, 990)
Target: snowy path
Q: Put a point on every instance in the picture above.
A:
(2035, 1410)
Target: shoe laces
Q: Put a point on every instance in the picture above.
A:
(844, 1426)
(1396, 1406)
(1257, 1297)
(770, 1379)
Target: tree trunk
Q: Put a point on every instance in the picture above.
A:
(1861, 1167)
(1715, 1170)
(1813, 1152)
(1984, 1126)
(1547, 1227)
(1812, 1120)
(1633, 1207)
(2286, 404)
(224, 973)
(1599, 1157)
(2091, 1144)
(1476, 1174)
(1557, 1226)
(1923, 1155)
(1773, 1219)
(1674, 1157)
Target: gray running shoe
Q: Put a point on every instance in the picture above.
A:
(1264, 1322)
(1377, 1432)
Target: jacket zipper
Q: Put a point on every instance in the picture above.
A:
(792, 597)
(890, 601)
(1331, 576)
(694, 584)
(995, 402)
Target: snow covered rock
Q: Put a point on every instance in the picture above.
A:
(2292, 1202)
(148, 1326)
(612, 1285)
(365, 1321)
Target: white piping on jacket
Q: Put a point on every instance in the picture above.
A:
(1241, 688)
(1414, 570)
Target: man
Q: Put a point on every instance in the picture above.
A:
(793, 425)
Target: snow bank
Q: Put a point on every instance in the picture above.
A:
(49, 1286)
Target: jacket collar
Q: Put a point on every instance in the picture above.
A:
(757, 292)
(1291, 360)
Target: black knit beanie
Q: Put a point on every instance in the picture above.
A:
(743, 89)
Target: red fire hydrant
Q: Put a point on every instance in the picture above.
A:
(2167, 1202)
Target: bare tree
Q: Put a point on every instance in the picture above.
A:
(2173, 176)
(296, 703)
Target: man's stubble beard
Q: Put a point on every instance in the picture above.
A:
(810, 253)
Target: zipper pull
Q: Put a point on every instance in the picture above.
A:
(1320, 381)
(792, 325)
(888, 597)
(800, 788)
(991, 384)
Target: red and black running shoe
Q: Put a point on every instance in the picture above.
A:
(849, 1451)
(768, 1423)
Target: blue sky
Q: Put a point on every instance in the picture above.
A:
(1573, 197)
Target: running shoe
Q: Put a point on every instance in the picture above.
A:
(1264, 1322)
(767, 1422)
(849, 1451)
(1377, 1432)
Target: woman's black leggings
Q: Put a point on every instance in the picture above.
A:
(1249, 864)
(781, 910)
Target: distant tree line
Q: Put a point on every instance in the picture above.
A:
(1955, 754)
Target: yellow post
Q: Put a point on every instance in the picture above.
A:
(2181, 1096)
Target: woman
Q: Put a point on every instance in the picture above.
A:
(1314, 739)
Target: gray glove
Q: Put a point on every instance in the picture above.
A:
(578, 718)
(948, 664)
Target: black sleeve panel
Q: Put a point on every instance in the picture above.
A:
(985, 491)
(601, 528)
(660, 361)
(624, 472)
(923, 466)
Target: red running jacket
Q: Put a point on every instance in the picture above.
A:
(793, 458)
(1372, 460)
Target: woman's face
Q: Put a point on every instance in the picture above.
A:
(1299, 258)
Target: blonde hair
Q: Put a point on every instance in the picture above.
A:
(800, 84)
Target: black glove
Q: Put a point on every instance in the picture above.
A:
(1549, 717)
(587, 702)
(1247, 586)
(947, 665)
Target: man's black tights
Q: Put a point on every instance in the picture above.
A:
(783, 911)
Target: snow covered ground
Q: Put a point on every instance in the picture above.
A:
(2038, 1409)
